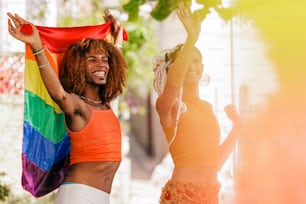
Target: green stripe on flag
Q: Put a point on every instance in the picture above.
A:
(34, 83)
(43, 118)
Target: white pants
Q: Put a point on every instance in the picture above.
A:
(80, 194)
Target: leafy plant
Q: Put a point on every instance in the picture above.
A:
(4, 189)
(163, 9)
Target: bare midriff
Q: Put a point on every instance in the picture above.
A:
(99, 175)
(199, 175)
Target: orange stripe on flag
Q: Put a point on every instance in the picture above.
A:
(53, 58)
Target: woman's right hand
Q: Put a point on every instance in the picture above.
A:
(15, 23)
(191, 21)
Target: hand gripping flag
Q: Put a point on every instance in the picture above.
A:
(46, 145)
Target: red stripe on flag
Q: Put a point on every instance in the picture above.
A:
(57, 39)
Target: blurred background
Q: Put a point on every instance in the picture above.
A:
(254, 57)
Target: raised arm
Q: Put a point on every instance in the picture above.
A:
(116, 27)
(229, 143)
(192, 24)
(177, 71)
(49, 77)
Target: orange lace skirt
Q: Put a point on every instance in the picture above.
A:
(189, 193)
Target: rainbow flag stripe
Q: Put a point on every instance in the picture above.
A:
(46, 145)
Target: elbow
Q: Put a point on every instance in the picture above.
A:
(58, 95)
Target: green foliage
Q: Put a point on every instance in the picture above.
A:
(132, 8)
(164, 8)
(139, 52)
(4, 190)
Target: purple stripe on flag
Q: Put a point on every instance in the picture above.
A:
(33, 176)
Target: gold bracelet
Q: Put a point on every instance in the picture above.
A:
(41, 50)
(43, 65)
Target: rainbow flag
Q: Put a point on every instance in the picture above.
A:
(46, 145)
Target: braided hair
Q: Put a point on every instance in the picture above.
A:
(161, 65)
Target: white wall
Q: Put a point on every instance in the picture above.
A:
(13, 6)
(11, 124)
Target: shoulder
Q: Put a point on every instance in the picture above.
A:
(166, 112)
(78, 106)
(207, 104)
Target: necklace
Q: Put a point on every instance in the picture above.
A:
(92, 101)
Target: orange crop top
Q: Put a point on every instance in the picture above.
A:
(99, 140)
(198, 136)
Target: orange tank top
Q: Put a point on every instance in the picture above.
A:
(198, 136)
(99, 140)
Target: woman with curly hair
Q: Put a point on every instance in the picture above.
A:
(189, 124)
(92, 73)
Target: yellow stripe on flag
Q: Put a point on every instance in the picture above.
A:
(33, 83)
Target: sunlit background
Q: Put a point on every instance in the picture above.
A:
(256, 61)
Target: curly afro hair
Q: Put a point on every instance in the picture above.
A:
(72, 68)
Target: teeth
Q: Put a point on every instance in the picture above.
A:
(100, 74)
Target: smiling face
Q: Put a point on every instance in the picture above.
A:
(195, 69)
(97, 67)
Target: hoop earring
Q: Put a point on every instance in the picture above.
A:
(205, 80)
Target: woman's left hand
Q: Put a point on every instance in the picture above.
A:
(191, 21)
(232, 114)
